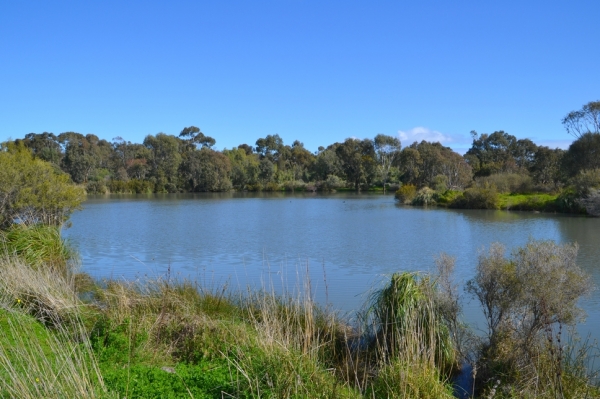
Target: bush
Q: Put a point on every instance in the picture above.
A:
(586, 181)
(332, 183)
(526, 299)
(477, 198)
(33, 190)
(506, 183)
(406, 193)
(425, 196)
(96, 187)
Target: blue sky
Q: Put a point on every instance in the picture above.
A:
(315, 71)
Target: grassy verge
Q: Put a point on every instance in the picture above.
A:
(161, 339)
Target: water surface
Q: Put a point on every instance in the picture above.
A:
(347, 242)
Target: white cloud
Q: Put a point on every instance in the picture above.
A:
(420, 133)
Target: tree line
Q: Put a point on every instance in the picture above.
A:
(188, 162)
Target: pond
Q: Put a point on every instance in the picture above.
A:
(345, 243)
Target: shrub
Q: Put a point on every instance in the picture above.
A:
(506, 183)
(526, 299)
(96, 187)
(424, 196)
(477, 198)
(33, 190)
(406, 193)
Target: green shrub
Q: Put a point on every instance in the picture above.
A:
(96, 187)
(406, 193)
(424, 196)
(477, 198)
(506, 182)
(34, 191)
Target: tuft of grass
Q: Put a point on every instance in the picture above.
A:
(407, 323)
(38, 245)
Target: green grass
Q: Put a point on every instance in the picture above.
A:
(528, 202)
(160, 339)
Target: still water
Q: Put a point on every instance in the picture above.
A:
(346, 243)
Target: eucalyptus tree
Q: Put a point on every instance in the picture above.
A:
(546, 166)
(206, 170)
(44, 146)
(165, 158)
(84, 155)
(195, 138)
(327, 163)
(583, 154)
(585, 120)
(387, 153)
(357, 158)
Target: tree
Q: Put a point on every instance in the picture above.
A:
(583, 154)
(387, 151)
(545, 168)
(33, 191)
(164, 160)
(195, 138)
(498, 152)
(44, 146)
(269, 147)
(206, 170)
(585, 120)
(84, 155)
(357, 161)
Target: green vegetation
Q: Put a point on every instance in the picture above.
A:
(61, 338)
(496, 165)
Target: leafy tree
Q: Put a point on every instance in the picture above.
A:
(357, 158)
(244, 167)
(83, 155)
(269, 147)
(206, 170)
(266, 170)
(44, 146)
(545, 168)
(387, 151)
(327, 163)
(164, 160)
(195, 138)
(583, 154)
(32, 190)
(498, 152)
(585, 120)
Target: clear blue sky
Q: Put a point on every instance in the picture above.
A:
(316, 71)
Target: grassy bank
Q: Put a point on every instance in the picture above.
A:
(64, 335)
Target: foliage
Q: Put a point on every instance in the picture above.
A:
(583, 154)
(526, 299)
(424, 196)
(32, 190)
(583, 121)
(477, 198)
(406, 193)
(506, 183)
(499, 152)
